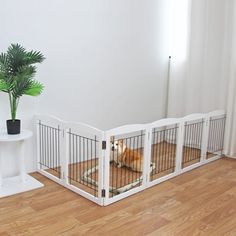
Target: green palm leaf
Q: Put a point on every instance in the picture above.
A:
(3, 86)
(3, 83)
(4, 65)
(35, 89)
(33, 57)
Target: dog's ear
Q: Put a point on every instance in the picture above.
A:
(121, 141)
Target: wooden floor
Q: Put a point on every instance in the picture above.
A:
(200, 202)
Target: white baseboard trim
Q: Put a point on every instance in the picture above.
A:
(232, 157)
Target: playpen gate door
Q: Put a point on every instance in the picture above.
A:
(215, 144)
(50, 147)
(125, 162)
(84, 162)
(164, 145)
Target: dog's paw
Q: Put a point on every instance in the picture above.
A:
(152, 166)
(119, 165)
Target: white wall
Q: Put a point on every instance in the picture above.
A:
(106, 60)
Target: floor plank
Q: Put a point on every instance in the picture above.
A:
(200, 202)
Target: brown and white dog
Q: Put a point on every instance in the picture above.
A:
(124, 156)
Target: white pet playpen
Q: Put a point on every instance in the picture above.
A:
(80, 157)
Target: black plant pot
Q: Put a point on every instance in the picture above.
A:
(13, 127)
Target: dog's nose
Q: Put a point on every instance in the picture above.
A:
(112, 148)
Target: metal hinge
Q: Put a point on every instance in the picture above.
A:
(103, 193)
(104, 145)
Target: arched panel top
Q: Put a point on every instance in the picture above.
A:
(82, 128)
(165, 122)
(49, 120)
(126, 129)
(216, 113)
(192, 117)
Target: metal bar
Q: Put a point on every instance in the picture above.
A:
(40, 143)
(95, 156)
(59, 149)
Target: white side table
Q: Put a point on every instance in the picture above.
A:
(23, 182)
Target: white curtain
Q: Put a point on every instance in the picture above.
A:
(230, 136)
(203, 74)
(200, 56)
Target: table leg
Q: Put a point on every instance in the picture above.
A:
(1, 168)
(22, 161)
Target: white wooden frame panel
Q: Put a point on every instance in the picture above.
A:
(79, 128)
(115, 132)
(53, 122)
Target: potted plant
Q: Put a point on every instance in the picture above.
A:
(17, 71)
